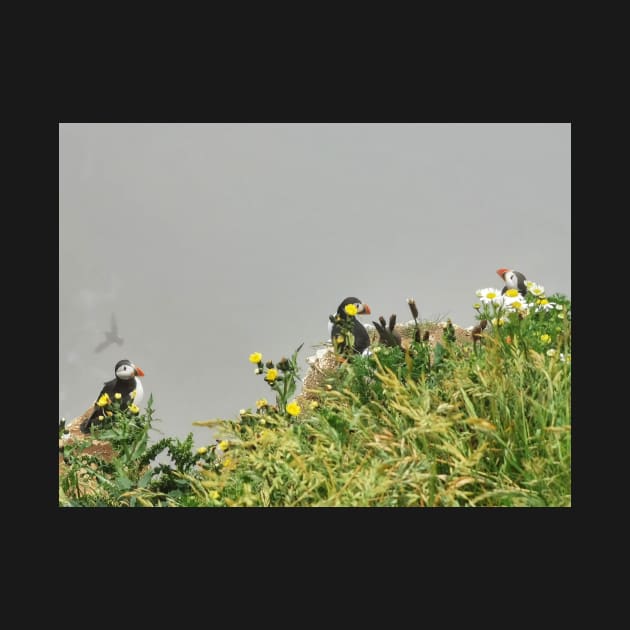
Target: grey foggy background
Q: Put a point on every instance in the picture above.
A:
(212, 241)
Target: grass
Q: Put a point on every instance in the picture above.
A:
(484, 424)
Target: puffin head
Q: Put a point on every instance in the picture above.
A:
(125, 370)
(362, 308)
(513, 279)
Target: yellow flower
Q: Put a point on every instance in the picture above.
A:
(228, 463)
(262, 402)
(117, 395)
(104, 400)
(542, 301)
(339, 338)
(224, 445)
(202, 450)
(271, 375)
(213, 494)
(545, 338)
(255, 357)
(134, 408)
(313, 404)
(101, 417)
(109, 414)
(512, 292)
(351, 309)
(133, 395)
(293, 409)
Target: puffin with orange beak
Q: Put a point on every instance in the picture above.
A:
(127, 384)
(513, 280)
(361, 337)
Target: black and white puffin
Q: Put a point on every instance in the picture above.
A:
(361, 337)
(127, 384)
(513, 280)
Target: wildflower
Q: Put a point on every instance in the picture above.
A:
(117, 395)
(537, 290)
(228, 463)
(515, 304)
(564, 358)
(101, 418)
(109, 414)
(545, 338)
(544, 305)
(104, 400)
(476, 306)
(559, 307)
(269, 364)
(283, 364)
(134, 408)
(133, 395)
(293, 409)
(213, 494)
(313, 404)
(551, 352)
(261, 403)
(498, 321)
(255, 357)
(490, 296)
(351, 309)
(242, 412)
(202, 450)
(271, 375)
(224, 445)
(512, 293)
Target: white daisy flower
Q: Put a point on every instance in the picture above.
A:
(490, 296)
(536, 289)
(544, 305)
(513, 304)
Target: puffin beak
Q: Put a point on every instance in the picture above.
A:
(501, 272)
(138, 370)
(365, 310)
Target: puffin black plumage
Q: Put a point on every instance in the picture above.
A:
(513, 280)
(335, 325)
(126, 383)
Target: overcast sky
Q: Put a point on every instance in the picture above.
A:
(213, 241)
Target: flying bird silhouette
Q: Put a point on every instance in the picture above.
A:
(111, 336)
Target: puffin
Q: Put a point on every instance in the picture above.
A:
(361, 337)
(513, 280)
(127, 383)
